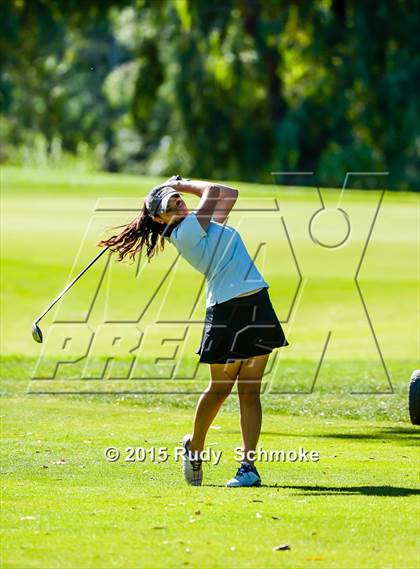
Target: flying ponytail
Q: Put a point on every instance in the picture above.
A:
(141, 232)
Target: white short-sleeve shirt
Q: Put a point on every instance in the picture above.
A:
(220, 254)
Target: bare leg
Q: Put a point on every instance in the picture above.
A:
(223, 377)
(249, 386)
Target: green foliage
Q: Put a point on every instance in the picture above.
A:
(216, 89)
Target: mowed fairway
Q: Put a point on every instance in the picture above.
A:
(65, 505)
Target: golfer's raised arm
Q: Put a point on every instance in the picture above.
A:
(216, 200)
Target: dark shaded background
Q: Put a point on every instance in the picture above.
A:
(222, 89)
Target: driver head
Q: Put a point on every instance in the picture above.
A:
(36, 333)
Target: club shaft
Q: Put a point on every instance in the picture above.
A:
(63, 292)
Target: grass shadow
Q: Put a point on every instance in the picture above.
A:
(394, 491)
(398, 434)
(391, 491)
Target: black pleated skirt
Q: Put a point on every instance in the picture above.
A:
(240, 328)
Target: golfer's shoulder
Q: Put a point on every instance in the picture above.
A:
(189, 227)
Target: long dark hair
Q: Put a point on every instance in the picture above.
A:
(141, 232)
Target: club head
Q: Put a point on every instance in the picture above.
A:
(36, 333)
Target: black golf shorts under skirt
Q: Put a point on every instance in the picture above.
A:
(240, 328)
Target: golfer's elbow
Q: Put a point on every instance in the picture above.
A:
(214, 191)
(226, 192)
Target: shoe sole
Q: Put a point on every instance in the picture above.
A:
(255, 485)
(185, 440)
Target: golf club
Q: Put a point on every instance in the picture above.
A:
(36, 330)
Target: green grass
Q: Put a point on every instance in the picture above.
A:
(357, 507)
(335, 396)
(65, 506)
(49, 225)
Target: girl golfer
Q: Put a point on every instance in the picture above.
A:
(241, 327)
